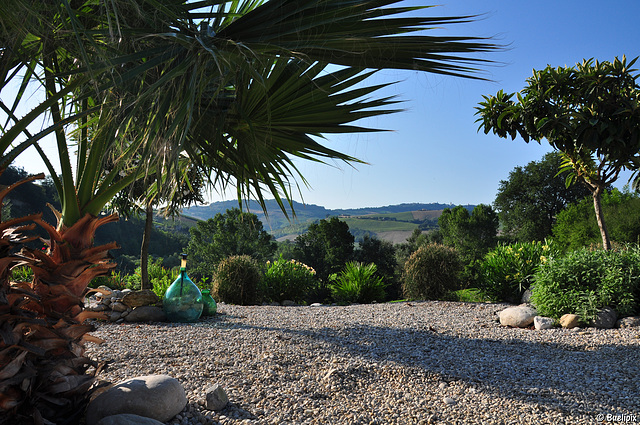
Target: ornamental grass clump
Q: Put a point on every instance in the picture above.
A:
(431, 272)
(286, 280)
(585, 281)
(508, 270)
(358, 283)
(236, 280)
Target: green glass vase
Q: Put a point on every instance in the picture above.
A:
(209, 304)
(183, 300)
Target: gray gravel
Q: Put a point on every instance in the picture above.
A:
(396, 363)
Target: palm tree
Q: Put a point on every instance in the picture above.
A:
(238, 87)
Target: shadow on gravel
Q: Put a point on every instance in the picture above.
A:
(556, 377)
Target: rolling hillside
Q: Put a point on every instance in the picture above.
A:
(393, 222)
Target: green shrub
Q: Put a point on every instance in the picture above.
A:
(236, 280)
(22, 274)
(585, 281)
(114, 280)
(469, 295)
(358, 283)
(286, 280)
(508, 270)
(431, 272)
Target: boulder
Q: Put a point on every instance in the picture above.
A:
(605, 319)
(140, 298)
(519, 316)
(216, 398)
(119, 307)
(128, 419)
(628, 322)
(158, 397)
(146, 313)
(540, 322)
(288, 303)
(526, 296)
(570, 321)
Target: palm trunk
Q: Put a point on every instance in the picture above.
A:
(144, 250)
(597, 205)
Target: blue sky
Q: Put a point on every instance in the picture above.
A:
(434, 153)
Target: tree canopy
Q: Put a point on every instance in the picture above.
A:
(326, 246)
(530, 199)
(576, 226)
(590, 113)
(232, 233)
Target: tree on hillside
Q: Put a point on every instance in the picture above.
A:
(130, 86)
(471, 234)
(530, 199)
(232, 233)
(383, 255)
(326, 246)
(590, 113)
(576, 226)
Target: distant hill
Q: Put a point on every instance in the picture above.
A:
(393, 222)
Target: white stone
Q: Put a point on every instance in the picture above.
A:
(518, 316)
(541, 322)
(449, 401)
(159, 397)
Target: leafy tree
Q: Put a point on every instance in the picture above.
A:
(589, 113)
(225, 235)
(471, 234)
(529, 201)
(383, 255)
(326, 246)
(576, 226)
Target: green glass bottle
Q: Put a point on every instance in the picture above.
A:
(183, 300)
(210, 307)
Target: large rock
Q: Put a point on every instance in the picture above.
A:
(519, 316)
(541, 323)
(146, 313)
(158, 397)
(140, 298)
(570, 321)
(216, 398)
(628, 322)
(128, 419)
(605, 319)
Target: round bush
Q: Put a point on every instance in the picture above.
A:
(508, 270)
(585, 281)
(286, 280)
(431, 272)
(236, 279)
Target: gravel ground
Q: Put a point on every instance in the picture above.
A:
(395, 363)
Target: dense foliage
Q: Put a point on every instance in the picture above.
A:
(326, 246)
(236, 280)
(431, 272)
(286, 280)
(576, 226)
(508, 270)
(232, 233)
(358, 283)
(589, 113)
(471, 234)
(383, 255)
(531, 198)
(584, 281)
